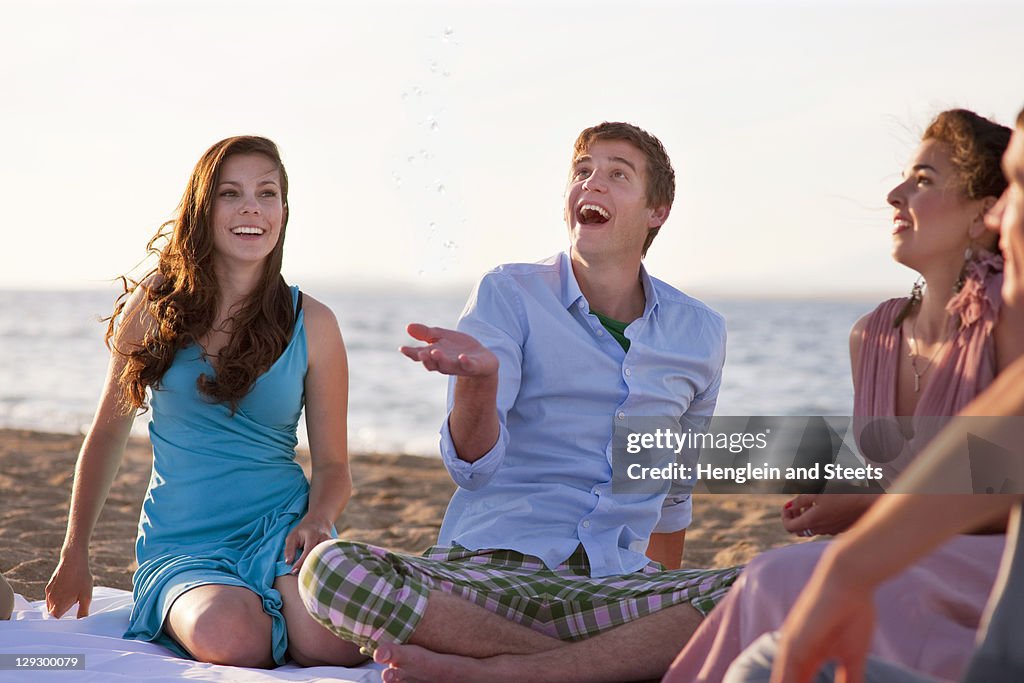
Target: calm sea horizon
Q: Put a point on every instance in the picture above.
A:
(785, 357)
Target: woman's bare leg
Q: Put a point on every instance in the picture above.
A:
(309, 643)
(222, 625)
(6, 599)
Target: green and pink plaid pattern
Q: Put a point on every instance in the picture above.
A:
(368, 595)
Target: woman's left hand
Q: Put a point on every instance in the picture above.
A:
(814, 514)
(306, 535)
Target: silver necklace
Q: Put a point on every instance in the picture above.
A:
(914, 355)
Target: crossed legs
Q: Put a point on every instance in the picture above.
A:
(498, 615)
(459, 641)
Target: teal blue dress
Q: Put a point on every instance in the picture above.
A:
(224, 492)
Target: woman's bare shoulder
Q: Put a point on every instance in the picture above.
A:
(858, 331)
(323, 334)
(318, 315)
(322, 329)
(136, 318)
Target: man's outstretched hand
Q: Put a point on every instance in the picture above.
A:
(450, 352)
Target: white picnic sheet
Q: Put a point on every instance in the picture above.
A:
(109, 657)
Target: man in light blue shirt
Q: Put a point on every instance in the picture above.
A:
(550, 363)
(563, 382)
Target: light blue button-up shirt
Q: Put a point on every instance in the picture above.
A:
(563, 385)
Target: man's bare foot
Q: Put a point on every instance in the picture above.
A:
(415, 664)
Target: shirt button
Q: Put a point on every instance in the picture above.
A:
(628, 372)
(600, 333)
(581, 305)
(596, 491)
(586, 524)
(621, 415)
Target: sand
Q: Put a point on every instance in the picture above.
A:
(398, 503)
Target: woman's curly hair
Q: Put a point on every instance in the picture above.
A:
(181, 294)
(977, 145)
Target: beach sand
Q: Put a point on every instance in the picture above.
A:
(398, 504)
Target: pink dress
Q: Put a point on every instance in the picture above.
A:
(928, 615)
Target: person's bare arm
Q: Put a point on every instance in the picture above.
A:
(667, 548)
(6, 599)
(98, 462)
(833, 616)
(327, 427)
(474, 417)
(856, 342)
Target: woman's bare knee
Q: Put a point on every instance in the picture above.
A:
(223, 627)
(227, 639)
(6, 599)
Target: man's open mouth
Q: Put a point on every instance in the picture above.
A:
(592, 214)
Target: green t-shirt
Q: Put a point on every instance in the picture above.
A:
(616, 328)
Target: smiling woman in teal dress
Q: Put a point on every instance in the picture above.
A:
(230, 355)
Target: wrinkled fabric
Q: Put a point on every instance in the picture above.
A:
(927, 616)
(959, 371)
(225, 490)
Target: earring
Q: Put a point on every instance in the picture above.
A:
(916, 295)
(962, 277)
(917, 291)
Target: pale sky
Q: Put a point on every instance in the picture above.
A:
(427, 142)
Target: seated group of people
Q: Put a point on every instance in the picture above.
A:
(541, 570)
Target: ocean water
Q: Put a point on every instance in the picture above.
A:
(785, 357)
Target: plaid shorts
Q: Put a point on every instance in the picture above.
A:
(368, 595)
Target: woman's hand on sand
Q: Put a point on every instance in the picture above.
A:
(816, 514)
(450, 352)
(71, 582)
(306, 535)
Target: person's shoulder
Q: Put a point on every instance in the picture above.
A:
(860, 327)
(857, 335)
(317, 316)
(518, 270)
(325, 347)
(139, 295)
(322, 333)
(886, 312)
(135, 319)
(888, 309)
(520, 276)
(674, 298)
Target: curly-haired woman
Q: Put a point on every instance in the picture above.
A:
(916, 361)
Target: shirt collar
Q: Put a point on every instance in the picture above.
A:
(650, 293)
(572, 294)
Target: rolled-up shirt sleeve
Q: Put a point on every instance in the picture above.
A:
(676, 513)
(472, 475)
(495, 317)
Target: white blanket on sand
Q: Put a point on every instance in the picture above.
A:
(109, 657)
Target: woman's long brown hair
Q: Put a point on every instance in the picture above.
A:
(181, 294)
